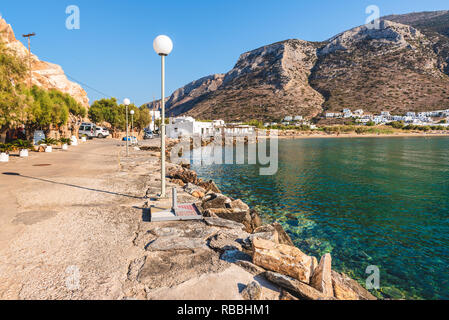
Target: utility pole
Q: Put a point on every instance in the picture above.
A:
(28, 36)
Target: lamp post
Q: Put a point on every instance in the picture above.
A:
(127, 102)
(163, 47)
(132, 122)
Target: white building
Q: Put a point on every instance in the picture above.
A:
(155, 115)
(288, 119)
(298, 118)
(187, 126)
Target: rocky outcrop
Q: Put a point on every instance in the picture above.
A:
(284, 259)
(300, 288)
(44, 74)
(322, 277)
(346, 288)
(270, 82)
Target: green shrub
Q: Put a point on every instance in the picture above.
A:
(22, 144)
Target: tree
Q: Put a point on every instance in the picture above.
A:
(12, 71)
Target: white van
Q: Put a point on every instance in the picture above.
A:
(101, 132)
(87, 129)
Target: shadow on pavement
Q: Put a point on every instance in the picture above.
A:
(71, 185)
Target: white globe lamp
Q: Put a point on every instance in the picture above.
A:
(163, 45)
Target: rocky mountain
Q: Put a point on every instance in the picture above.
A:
(44, 74)
(394, 68)
(402, 66)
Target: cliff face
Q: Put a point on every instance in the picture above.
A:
(401, 67)
(44, 74)
(394, 68)
(269, 82)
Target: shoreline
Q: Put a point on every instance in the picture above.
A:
(273, 235)
(355, 135)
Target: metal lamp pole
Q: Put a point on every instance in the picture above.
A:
(163, 46)
(132, 122)
(127, 102)
(163, 190)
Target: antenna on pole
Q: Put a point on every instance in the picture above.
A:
(28, 36)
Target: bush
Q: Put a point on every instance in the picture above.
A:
(22, 144)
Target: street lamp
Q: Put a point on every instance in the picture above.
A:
(163, 47)
(127, 102)
(132, 122)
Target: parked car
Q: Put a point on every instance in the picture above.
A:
(148, 135)
(133, 140)
(88, 129)
(101, 132)
(38, 136)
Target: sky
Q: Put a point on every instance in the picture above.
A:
(113, 54)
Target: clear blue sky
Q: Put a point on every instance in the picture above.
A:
(113, 53)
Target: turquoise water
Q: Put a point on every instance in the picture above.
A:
(367, 201)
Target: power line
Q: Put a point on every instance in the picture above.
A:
(86, 85)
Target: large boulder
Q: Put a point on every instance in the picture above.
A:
(223, 223)
(209, 186)
(346, 288)
(236, 215)
(185, 175)
(281, 258)
(283, 236)
(216, 201)
(256, 221)
(226, 239)
(303, 290)
(322, 277)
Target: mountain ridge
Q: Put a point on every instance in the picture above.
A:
(397, 68)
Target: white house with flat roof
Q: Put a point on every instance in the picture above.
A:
(187, 126)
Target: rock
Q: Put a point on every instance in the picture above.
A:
(233, 256)
(282, 258)
(256, 221)
(305, 291)
(322, 278)
(44, 74)
(286, 296)
(253, 291)
(223, 241)
(267, 232)
(239, 205)
(222, 223)
(185, 175)
(233, 215)
(314, 264)
(250, 267)
(209, 186)
(283, 237)
(216, 201)
(198, 194)
(135, 267)
(346, 288)
(190, 188)
(175, 243)
(179, 182)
